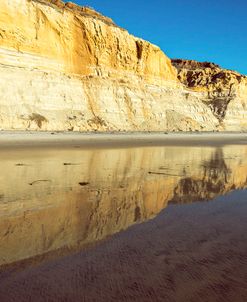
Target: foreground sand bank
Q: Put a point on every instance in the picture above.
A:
(160, 260)
(67, 139)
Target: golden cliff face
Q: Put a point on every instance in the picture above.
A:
(79, 42)
(65, 67)
(68, 68)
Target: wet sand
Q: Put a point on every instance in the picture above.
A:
(34, 139)
(201, 257)
(93, 210)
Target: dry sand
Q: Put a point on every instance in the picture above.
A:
(112, 140)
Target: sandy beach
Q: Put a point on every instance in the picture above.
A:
(155, 261)
(116, 217)
(20, 139)
(123, 151)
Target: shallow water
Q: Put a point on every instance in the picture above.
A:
(178, 212)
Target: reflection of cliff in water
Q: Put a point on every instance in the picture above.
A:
(55, 200)
(215, 180)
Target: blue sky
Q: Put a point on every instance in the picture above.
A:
(207, 30)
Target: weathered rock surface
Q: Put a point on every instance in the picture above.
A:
(65, 67)
(224, 91)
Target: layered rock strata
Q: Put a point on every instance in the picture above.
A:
(65, 67)
(223, 91)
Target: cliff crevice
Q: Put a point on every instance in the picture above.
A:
(218, 86)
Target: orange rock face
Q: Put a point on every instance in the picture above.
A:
(66, 67)
(79, 39)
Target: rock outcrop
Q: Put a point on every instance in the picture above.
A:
(223, 91)
(66, 67)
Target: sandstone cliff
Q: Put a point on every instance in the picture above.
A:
(65, 67)
(223, 91)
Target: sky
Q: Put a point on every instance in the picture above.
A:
(206, 30)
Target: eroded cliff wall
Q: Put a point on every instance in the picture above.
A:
(69, 69)
(223, 91)
(65, 67)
